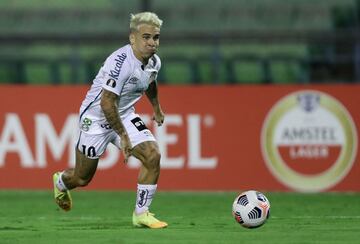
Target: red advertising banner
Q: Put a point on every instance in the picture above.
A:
(273, 138)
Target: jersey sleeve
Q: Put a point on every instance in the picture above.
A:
(157, 66)
(116, 70)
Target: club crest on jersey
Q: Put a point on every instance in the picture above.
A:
(111, 82)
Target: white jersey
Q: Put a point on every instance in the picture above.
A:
(123, 74)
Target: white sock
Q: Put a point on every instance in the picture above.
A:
(60, 183)
(144, 196)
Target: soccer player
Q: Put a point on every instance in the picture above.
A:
(107, 115)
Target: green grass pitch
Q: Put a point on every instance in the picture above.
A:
(193, 217)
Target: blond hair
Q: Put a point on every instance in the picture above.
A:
(144, 18)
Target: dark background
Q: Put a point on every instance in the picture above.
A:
(202, 42)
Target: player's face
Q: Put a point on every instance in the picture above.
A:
(145, 41)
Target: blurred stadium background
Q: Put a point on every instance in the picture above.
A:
(227, 41)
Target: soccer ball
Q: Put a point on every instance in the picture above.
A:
(251, 209)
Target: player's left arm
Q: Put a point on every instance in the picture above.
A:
(152, 95)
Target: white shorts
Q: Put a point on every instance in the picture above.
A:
(93, 144)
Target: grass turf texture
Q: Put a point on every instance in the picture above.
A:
(195, 217)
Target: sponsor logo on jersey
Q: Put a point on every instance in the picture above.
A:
(309, 141)
(114, 73)
(111, 82)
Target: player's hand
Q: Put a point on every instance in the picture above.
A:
(126, 147)
(159, 117)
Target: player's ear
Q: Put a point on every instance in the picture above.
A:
(132, 38)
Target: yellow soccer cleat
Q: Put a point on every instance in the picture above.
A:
(147, 219)
(62, 199)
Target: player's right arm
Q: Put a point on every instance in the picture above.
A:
(115, 72)
(109, 105)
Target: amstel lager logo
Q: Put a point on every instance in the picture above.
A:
(309, 141)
